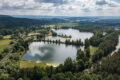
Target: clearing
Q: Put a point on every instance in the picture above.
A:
(3, 44)
(92, 50)
(30, 64)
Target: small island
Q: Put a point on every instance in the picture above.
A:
(65, 36)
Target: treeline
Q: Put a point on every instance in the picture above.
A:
(12, 22)
(51, 41)
(100, 23)
(67, 41)
(74, 42)
(5, 31)
(106, 44)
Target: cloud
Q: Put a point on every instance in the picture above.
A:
(101, 2)
(60, 7)
(86, 10)
(53, 1)
(106, 2)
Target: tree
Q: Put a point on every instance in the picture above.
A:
(98, 55)
(87, 43)
(80, 54)
(49, 71)
(45, 78)
(58, 76)
(19, 79)
(68, 65)
(69, 75)
(6, 50)
(4, 77)
(88, 52)
(54, 34)
(1, 37)
(85, 77)
(60, 68)
(81, 65)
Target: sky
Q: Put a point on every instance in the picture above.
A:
(61, 7)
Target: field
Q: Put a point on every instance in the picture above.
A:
(92, 50)
(48, 26)
(64, 36)
(33, 34)
(30, 64)
(3, 44)
(68, 24)
(7, 37)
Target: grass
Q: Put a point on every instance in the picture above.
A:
(92, 50)
(64, 36)
(7, 37)
(68, 24)
(48, 26)
(3, 44)
(27, 38)
(30, 64)
(32, 34)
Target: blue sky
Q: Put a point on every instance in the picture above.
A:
(117, 0)
(61, 7)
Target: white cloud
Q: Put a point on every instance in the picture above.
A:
(61, 7)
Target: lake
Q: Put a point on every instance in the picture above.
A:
(54, 54)
(74, 33)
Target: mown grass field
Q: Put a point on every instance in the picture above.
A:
(30, 64)
(3, 44)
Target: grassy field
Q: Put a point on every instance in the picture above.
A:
(30, 64)
(7, 37)
(92, 50)
(32, 34)
(48, 26)
(68, 24)
(63, 36)
(3, 44)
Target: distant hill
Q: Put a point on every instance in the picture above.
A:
(39, 17)
(11, 22)
(67, 17)
(27, 20)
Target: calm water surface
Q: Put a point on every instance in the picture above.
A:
(74, 33)
(55, 53)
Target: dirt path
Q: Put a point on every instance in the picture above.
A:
(113, 52)
(117, 47)
(5, 58)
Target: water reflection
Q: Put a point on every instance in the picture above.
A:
(45, 52)
(55, 53)
(75, 34)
